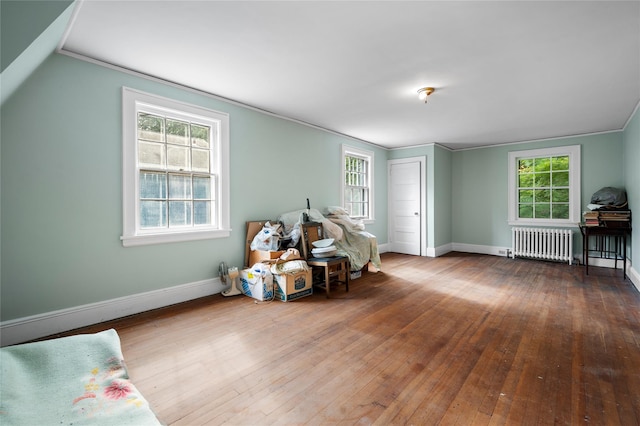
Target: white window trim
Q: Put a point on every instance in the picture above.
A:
(362, 153)
(132, 235)
(575, 187)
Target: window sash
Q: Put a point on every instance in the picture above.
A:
(165, 201)
(543, 187)
(169, 136)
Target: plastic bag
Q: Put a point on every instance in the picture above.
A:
(267, 239)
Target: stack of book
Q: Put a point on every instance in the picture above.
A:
(591, 218)
(615, 218)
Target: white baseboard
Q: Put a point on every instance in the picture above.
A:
(601, 263)
(36, 326)
(474, 248)
(634, 276)
(440, 250)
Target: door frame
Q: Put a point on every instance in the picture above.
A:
(423, 199)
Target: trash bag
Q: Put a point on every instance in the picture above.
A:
(267, 239)
(609, 196)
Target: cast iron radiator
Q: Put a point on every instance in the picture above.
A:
(539, 243)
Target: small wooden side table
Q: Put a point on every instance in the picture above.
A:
(618, 232)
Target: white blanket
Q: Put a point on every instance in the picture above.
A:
(351, 240)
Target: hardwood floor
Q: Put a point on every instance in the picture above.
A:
(459, 339)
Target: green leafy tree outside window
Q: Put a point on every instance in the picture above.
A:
(543, 188)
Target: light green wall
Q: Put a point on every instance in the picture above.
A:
(62, 198)
(22, 22)
(480, 180)
(631, 154)
(30, 31)
(443, 203)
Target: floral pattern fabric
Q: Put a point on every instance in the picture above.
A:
(70, 381)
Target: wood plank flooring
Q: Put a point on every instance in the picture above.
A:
(460, 339)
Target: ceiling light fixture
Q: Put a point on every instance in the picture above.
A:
(424, 93)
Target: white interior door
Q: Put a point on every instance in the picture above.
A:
(407, 227)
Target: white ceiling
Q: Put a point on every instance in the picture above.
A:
(503, 71)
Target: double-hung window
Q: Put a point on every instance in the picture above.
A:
(544, 186)
(357, 183)
(175, 176)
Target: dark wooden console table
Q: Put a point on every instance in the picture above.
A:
(603, 245)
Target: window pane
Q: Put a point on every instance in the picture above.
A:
(542, 164)
(560, 163)
(542, 179)
(560, 211)
(542, 211)
(200, 159)
(560, 195)
(150, 154)
(348, 196)
(560, 179)
(177, 158)
(201, 188)
(153, 214)
(542, 195)
(525, 211)
(525, 165)
(150, 127)
(201, 212)
(177, 132)
(200, 136)
(525, 196)
(153, 185)
(525, 180)
(179, 213)
(179, 187)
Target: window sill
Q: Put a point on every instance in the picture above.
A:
(174, 237)
(547, 223)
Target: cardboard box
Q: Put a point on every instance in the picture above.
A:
(293, 286)
(256, 256)
(257, 286)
